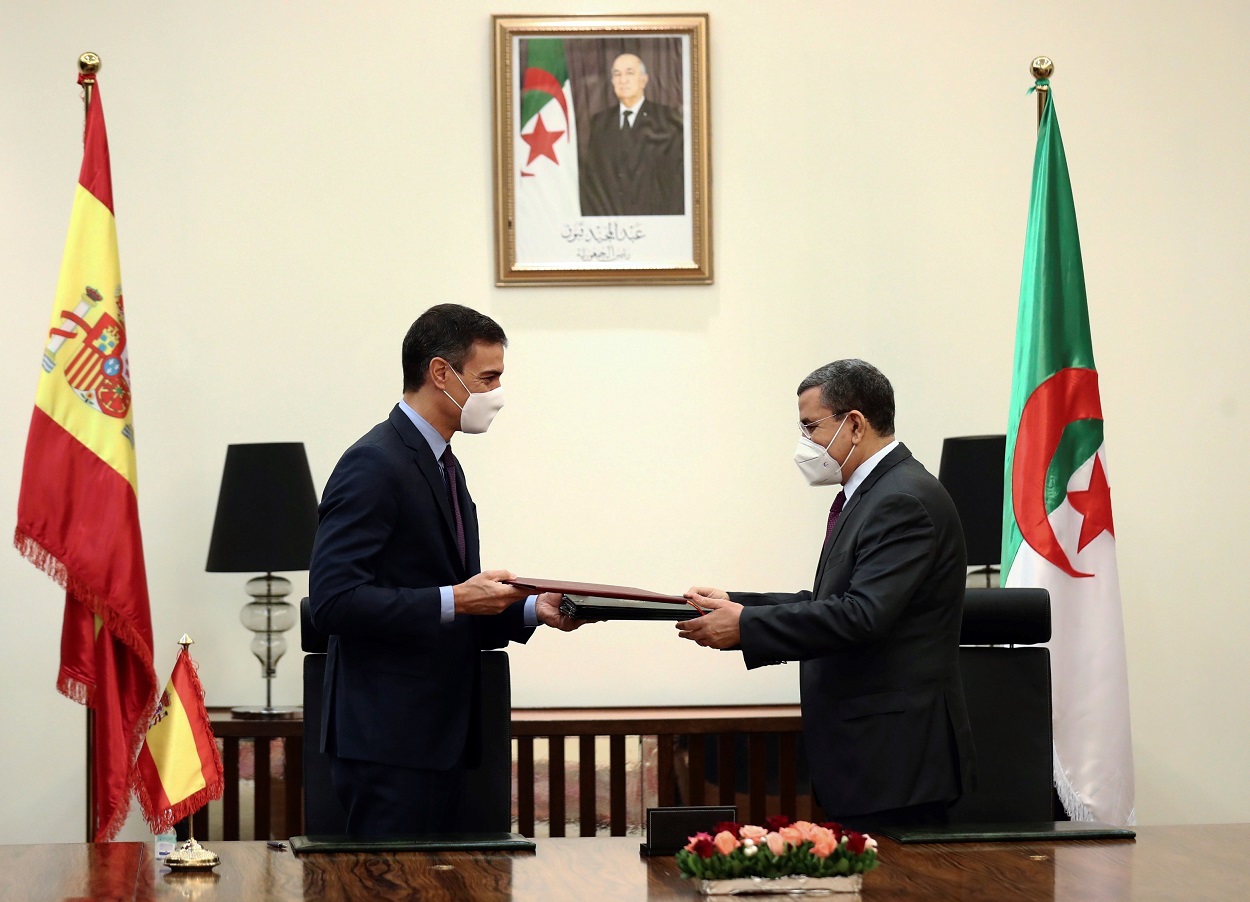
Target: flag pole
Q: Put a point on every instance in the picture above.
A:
(1042, 67)
(88, 66)
(190, 855)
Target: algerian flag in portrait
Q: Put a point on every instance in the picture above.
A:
(545, 155)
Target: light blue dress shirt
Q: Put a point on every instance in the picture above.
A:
(438, 445)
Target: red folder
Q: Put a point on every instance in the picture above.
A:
(596, 601)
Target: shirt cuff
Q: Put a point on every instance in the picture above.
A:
(448, 596)
(531, 615)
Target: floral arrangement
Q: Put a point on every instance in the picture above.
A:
(781, 848)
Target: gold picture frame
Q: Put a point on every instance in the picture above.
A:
(601, 150)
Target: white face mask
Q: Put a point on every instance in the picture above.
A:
(478, 409)
(814, 462)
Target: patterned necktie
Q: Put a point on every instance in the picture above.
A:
(625, 121)
(453, 495)
(834, 513)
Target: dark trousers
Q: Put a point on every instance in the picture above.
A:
(382, 800)
(928, 814)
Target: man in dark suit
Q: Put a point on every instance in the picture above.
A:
(396, 584)
(884, 719)
(634, 163)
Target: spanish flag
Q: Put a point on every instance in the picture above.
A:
(78, 514)
(179, 767)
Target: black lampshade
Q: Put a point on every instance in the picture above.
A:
(266, 512)
(972, 472)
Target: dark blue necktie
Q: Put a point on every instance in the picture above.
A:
(453, 495)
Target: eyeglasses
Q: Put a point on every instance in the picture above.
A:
(808, 428)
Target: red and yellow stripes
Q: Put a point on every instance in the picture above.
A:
(179, 767)
(78, 513)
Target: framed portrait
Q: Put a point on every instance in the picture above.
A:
(602, 157)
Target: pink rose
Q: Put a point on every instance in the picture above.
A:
(776, 844)
(695, 839)
(792, 834)
(750, 831)
(725, 842)
(821, 834)
(824, 847)
(804, 828)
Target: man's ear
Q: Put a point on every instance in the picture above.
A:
(437, 373)
(859, 425)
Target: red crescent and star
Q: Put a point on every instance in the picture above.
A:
(1069, 395)
(541, 142)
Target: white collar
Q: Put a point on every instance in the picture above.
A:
(862, 471)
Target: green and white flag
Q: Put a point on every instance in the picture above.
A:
(545, 156)
(1057, 527)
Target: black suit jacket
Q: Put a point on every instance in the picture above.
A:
(401, 688)
(636, 171)
(878, 637)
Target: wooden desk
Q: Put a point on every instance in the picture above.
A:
(1192, 863)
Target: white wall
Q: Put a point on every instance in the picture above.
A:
(296, 182)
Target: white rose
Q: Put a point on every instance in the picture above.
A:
(748, 842)
(748, 848)
(869, 842)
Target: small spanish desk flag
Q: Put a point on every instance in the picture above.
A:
(179, 770)
(78, 512)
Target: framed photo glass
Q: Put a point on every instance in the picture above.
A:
(602, 158)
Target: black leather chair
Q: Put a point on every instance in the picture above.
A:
(488, 790)
(1007, 686)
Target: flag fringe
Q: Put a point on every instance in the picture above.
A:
(160, 820)
(119, 627)
(164, 818)
(33, 550)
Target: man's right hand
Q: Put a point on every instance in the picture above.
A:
(486, 594)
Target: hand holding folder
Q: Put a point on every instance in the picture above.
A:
(598, 601)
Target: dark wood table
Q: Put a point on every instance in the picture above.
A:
(1191, 863)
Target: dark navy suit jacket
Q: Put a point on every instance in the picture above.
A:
(401, 687)
(884, 718)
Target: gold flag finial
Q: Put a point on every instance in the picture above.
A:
(1042, 68)
(186, 640)
(88, 63)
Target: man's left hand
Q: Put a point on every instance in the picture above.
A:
(716, 629)
(547, 609)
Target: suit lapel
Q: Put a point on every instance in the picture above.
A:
(423, 457)
(891, 460)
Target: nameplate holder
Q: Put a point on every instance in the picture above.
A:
(670, 829)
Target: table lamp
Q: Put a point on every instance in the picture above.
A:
(266, 521)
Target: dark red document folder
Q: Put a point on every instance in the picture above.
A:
(598, 601)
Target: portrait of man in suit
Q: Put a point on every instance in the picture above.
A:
(634, 163)
(396, 583)
(877, 636)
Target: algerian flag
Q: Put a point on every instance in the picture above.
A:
(1057, 528)
(545, 156)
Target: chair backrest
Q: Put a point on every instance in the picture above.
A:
(1008, 695)
(488, 787)
(971, 470)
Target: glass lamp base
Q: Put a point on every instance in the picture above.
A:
(261, 712)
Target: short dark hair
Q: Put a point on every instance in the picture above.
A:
(448, 331)
(855, 385)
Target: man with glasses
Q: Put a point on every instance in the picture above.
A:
(884, 720)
